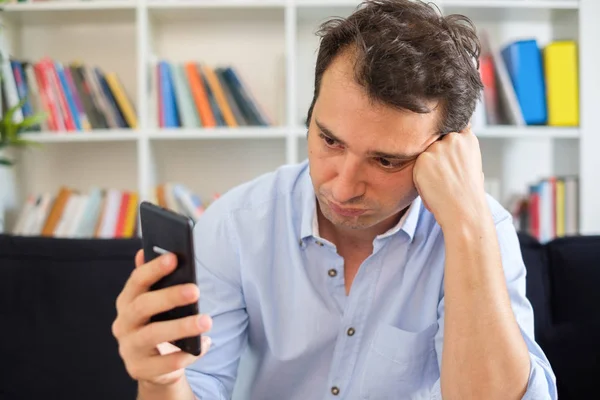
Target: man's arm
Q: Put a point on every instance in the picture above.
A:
(485, 354)
(486, 321)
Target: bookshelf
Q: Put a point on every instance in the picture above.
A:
(272, 43)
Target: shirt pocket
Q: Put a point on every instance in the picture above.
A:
(400, 364)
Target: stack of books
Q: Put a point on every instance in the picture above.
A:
(74, 97)
(550, 209)
(104, 213)
(525, 84)
(195, 95)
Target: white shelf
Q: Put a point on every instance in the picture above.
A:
(174, 4)
(243, 133)
(540, 4)
(533, 4)
(60, 12)
(527, 132)
(95, 136)
(507, 132)
(233, 4)
(91, 5)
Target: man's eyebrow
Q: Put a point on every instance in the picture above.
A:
(395, 156)
(328, 132)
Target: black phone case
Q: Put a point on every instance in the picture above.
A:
(167, 230)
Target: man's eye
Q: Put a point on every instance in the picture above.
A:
(328, 141)
(386, 163)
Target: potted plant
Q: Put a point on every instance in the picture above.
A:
(11, 138)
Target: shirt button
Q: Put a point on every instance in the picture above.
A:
(335, 390)
(319, 243)
(350, 331)
(332, 272)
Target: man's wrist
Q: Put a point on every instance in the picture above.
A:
(467, 220)
(179, 390)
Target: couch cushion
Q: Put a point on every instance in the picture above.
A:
(575, 276)
(57, 305)
(538, 281)
(573, 350)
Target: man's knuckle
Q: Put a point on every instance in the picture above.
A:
(148, 334)
(136, 279)
(191, 326)
(115, 328)
(138, 307)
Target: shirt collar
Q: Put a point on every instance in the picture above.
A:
(310, 224)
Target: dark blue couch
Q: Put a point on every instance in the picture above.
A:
(563, 286)
(57, 305)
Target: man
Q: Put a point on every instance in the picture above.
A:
(379, 269)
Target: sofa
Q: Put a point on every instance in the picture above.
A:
(57, 304)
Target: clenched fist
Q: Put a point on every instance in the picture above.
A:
(449, 178)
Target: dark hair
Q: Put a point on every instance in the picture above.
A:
(407, 53)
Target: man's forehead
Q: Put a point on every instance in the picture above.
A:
(388, 144)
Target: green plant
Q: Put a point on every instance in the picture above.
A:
(10, 131)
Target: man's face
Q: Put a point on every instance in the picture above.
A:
(362, 154)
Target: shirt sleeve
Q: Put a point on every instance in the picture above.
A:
(542, 382)
(218, 275)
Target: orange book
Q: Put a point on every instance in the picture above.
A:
(160, 195)
(217, 90)
(120, 227)
(56, 211)
(130, 216)
(205, 112)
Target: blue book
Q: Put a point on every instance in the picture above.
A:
(523, 61)
(69, 96)
(171, 113)
(22, 87)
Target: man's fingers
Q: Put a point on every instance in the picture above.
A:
(139, 258)
(168, 348)
(160, 365)
(151, 303)
(144, 276)
(152, 334)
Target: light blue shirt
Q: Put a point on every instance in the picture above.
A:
(275, 290)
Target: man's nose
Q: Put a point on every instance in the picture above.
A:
(349, 182)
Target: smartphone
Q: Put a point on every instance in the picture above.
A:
(165, 231)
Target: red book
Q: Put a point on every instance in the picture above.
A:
(55, 122)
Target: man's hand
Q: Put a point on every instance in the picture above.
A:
(145, 348)
(449, 178)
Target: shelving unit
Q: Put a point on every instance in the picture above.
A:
(273, 45)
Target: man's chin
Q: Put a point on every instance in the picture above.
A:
(356, 222)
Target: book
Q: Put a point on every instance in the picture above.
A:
(561, 75)
(524, 65)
